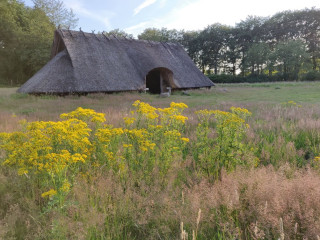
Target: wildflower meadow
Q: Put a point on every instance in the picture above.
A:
(163, 171)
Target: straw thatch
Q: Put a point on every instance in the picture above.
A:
(86, 62)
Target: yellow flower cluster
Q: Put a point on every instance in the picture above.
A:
(172, 133)
(105, 135)
(291, 104)
(185, 139)
(165, 116)
(151, 138)
(47, 146)
(85, 115)
(204, 115)
(237, 115)
(54, 163)
(50, 151)
(140, 138)
(65, 187)
(178, 105)
(129, 120)
(225, 149)
(145, 109)
(49, 193)
(179, 118)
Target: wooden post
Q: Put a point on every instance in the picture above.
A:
(161, 82)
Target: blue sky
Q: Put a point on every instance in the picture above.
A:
(134, 16)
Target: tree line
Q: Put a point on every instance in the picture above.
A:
(285, 46)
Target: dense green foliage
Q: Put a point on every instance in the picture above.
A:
(58, 14)
(26, 36)
(161, 35)
(117, 33)
(256, 78)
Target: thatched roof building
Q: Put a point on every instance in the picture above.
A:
(87, 62)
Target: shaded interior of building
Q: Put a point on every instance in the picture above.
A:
(158, 80)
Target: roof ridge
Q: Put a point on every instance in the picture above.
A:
(64, 33)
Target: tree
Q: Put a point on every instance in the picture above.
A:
(232, 53)
(191, 42)
(118, 33)
(249, 31)
(308, 21)
(161, 35)
(26, 36)
(292, 25)
(213, 39)
(153, 34)
(57, 13)
(257, 56)
(289, 57)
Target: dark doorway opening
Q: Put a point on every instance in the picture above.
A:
(158, 80)
(153, 81)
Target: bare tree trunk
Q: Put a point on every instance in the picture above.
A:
(314, 61)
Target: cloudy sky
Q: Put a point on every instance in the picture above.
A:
(134, 16)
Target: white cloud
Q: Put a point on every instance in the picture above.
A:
(137, 27)
(181, 14)
(135, 30)
(162, 3)
(198, 14)
(143, 5)
(79, 8)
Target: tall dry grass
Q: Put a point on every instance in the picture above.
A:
(246, 204)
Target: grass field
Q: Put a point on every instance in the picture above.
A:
(115, 105)
(268, 188)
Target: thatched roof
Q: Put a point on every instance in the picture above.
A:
(87, 62)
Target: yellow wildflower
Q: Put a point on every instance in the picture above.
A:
(117, 131)
(179, 118)
(185, 139)
(84, 114)
(178, 105)
(146, 110)
(128, 120)
(144, 149)
(65, 187)
(50, 193)
(317, 158)
(22, 171)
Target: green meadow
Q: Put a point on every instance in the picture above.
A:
(245, 93)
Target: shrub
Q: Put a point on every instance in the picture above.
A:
(311, 76)
(252, 78)
(224, 149)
